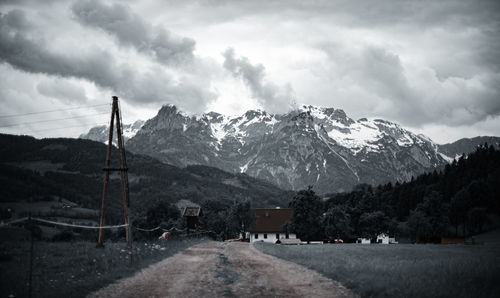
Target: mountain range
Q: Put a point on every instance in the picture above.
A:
(310, 145)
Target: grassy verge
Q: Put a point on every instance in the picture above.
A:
(403, 270)
(74, 269)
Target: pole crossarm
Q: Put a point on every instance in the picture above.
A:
(115, 169)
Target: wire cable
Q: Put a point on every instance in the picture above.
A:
(57, 110)
(57, 128)
(78, 226)
(146, 230)
(13, 221)
(51, 120)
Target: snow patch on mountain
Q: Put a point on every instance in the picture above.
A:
(218, 130)
(357, 136)
(130, 130)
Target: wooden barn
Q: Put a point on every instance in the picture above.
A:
(269, 226)
(191, 214)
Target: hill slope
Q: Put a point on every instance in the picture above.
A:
(71, 169)
(467, 145)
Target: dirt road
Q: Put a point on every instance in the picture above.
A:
(215, 269)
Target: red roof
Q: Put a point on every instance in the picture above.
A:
(271, 220)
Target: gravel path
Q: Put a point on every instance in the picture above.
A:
(215, 269)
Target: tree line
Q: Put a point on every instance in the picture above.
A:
(222, 219)
(460, 200)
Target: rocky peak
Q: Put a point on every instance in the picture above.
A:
(167, 110)
(321, 113)
(169, 118)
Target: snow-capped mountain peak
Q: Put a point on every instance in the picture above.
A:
(308, 146)
(101, 133)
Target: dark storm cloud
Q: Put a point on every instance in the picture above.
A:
(426, 98)
(424, 61)
(362, 13)
(381, 75)
(381, 72)
(131, 30)
(16, 18)
(32, 56)
(97, 65)
(272, 97)
(420, 63)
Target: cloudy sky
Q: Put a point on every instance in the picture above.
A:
(431, 66)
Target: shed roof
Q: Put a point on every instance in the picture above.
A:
(192, 211)
(271, 220)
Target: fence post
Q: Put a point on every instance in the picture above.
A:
(30, 287)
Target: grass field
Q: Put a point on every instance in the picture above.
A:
(74, 269)
(402, 270)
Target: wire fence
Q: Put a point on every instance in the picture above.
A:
(58, 223)
(63, 224)
(31, 221)
(2, 224)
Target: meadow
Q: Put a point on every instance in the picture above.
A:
(402, 270)
(75, 269)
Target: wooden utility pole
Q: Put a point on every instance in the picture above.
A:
(115, 113)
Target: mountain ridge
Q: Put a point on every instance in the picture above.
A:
(307, 146)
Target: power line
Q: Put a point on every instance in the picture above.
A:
(78, 226)
(57, 128)
(50, 120)
(50, 111)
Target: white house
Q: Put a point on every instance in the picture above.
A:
(269, 226)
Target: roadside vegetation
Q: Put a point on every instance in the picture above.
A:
(402, 270)
(75, 269)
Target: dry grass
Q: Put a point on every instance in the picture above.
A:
(403, 270)
(74, 269)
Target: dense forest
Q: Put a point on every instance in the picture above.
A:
(461, 200)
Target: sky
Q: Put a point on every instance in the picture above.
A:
(431, 66)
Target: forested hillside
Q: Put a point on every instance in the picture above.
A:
(461, 200)
(33, 170)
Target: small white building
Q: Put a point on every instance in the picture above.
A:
(269, 225)
(364, 240)
(383, 238)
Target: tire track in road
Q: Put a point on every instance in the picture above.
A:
(214, 269)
